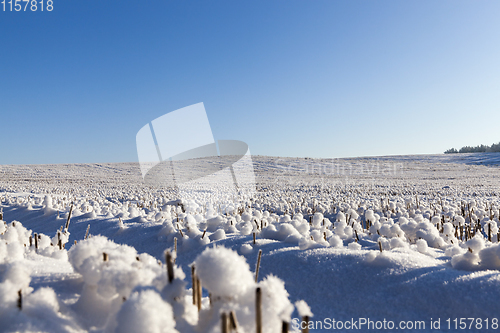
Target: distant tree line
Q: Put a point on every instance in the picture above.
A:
(494, 148)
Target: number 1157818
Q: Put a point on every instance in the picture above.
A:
(27, 5)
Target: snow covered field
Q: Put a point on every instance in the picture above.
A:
(403, 241)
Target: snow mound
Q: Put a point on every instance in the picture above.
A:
(223, 272)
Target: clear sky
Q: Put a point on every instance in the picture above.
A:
(315, 78)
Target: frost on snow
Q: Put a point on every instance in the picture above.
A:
(339, 245)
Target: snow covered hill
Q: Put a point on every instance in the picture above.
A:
(408, 240)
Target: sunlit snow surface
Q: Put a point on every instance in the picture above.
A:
(405, 282)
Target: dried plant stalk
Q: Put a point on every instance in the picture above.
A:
(170, 266)
(224, 323)
(258, 266)
(69, 217)
(199, 290)
(193, 282)
(87, 232)
(233, 321)
(258, 310)
(20, 299)
(284, 327)
(305, 319)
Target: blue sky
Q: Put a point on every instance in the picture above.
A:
(289, 78)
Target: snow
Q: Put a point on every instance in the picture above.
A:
(145, 311)
(303, 309)
(319, 234)
(223, 272)
(422, 246)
